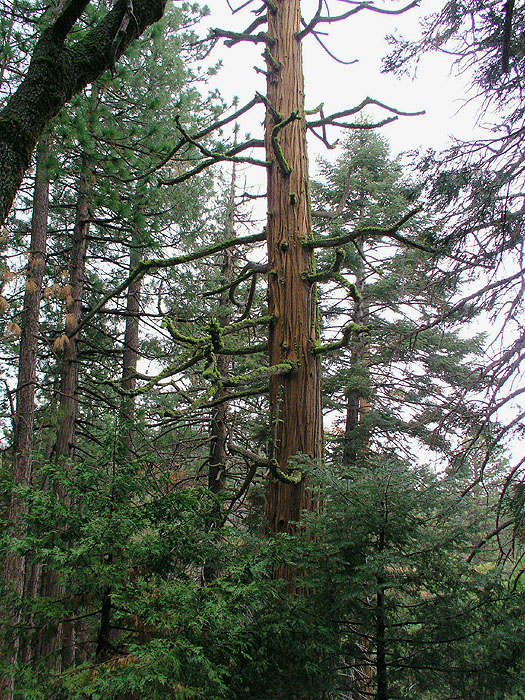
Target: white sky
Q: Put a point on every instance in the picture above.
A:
(360, 37)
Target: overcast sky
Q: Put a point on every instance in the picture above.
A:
(361, 37)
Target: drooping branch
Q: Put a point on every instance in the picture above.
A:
(350, 125)
(328, 274)
(318, 19)
(332, 118)
(252, 457)
(246, 33)
(236, 37)
(327, 50)
(312, 23)
(260, 373)
(217, 157)
(265, 463)
(215, 126)
(482, 542)
(350, 328)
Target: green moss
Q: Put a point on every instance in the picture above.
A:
(259, 372)
(276, 146)
(278, 473)
(350, 328)
(171, 327)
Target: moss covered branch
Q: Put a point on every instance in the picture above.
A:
(158, 263)
(329, 273)
(270, 464)
(373, 232)
(276, 145)
(260, 373)
(348, 330)
(236, 37)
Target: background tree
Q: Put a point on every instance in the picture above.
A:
(475, 187)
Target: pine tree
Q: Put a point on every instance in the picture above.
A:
(41, 95)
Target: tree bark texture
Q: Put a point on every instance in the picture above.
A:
(381, 642)
(218, 425)
(14, 573)
(295, 398)
(68, 404)
(131, 349)
(354, 449)
(58, 70)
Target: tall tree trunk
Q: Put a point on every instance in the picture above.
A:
(125, 438)
(63, 637)
(295, 397)
(15, 565)
(381, 663)
(68, 405)
(131, 351)
(355, 447)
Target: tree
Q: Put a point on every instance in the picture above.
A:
(295, 396)
(407, 398)
(14, 571)
(57, 71)
(155, 529)
(476, 188)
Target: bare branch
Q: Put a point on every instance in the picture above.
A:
(358, 108)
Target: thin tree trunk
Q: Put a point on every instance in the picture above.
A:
(355, 447)
(15, 565)
(295, 398)
(68, 405)
(131, 351)
(381, 665)
(218, 425)
(63, 637)
(125, 448)
(357, 405)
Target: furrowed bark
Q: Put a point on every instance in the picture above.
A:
(14, 573)
(131, 351)
(56, 73)
(358, 405)
(355, 447)
(295, 398)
